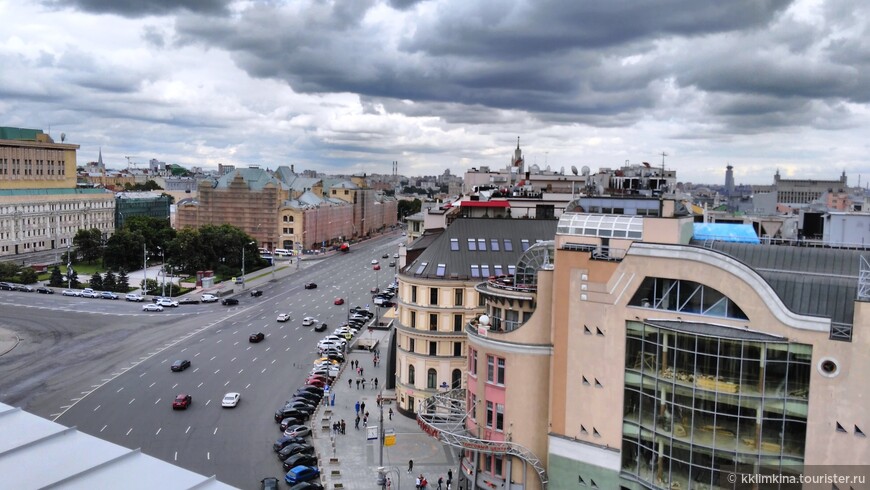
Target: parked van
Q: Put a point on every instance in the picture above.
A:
(282, 252)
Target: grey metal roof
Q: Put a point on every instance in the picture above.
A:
(256, 178)
(39, 453)
(819, 282)
(711, 330)
(295, 181)
(426, 239)
(458, 264)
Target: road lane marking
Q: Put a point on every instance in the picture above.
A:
(119, 389)
(75, 399)
(98, 407)
(255, 359)
(188, 430)
(131, 401)
(249, 348)
(249, 385)
(129, 431)
(215, 431)
(207, 402)
(65, 407)
(284, 337)
(237, 343)
(219, 341)
(219, 330)
(208, 455)
(158, 401)
(287, 349)
(267, 349)
(233, 359)
(263, 371)
(217, 371)
(104, 428)
(300, 339)
(226, 383)
(198, 353)
(199, 385)
(273, 361)
(195, 370)
(152, 384)
(235, 332)
(182, 350)
(143, 374)
(174, 386)
(158, 431)
(212, 359)
(176, 455)
(240, 370)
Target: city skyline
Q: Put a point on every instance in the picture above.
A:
(348, 88)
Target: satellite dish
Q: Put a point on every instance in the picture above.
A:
(62, 137)
(585, 170)
(573, 170)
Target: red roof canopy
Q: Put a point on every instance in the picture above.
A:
(484, 204)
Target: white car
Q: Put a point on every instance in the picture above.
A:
(134, 297)
(208, 298)
(328, 344)
(167, 302)
(90, 293)
(343, 330)
(308, 321)
(374, 261)
(71, 292)
(283, 317)
(335, 338)
(152, 307)
(231, 400)
(395, 256)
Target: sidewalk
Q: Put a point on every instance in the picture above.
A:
(351, 461)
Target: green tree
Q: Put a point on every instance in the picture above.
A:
(89, 244)
(149, 286)
(123, 251)
(28, 276)
(8, 271)
(56, 278)
(110, 282)
(96, 281)
(74, 279)
(123, 285)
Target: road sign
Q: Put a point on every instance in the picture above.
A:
(372, 433)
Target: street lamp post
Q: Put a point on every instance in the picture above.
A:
(243, 264)
(163, 269)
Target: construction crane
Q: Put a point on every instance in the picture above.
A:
(131, 162)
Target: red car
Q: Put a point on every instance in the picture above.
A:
(377, 267)
(181, 402)
(338, 301)
(319, 382)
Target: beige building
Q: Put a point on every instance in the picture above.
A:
(639, 358)
(41, 208)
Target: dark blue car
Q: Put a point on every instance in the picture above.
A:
(301, 474)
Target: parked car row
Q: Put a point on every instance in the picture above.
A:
(8, 286)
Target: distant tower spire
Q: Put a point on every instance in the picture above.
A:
(518, 142)
(100, 159)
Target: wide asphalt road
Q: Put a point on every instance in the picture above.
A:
(104, 365)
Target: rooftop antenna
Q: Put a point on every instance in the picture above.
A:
(63, 138)
(662, 186)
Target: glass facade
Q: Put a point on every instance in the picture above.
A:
(703, 401)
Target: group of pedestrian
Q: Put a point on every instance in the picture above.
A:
(339, 427)
(422, 484)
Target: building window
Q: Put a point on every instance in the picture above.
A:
(414, 294)
(454, 244)
(433, 321)
(508, 245)
(493, 244)
(489, 414)
(481, 244)
(457, 297)
(472, 244)
(411, 345)
(499, 373)
(497, 270)
(457, 379)
(440, 270)
(472, 361)
(525, 244)
(490, 368)
(411, 375)
(484, 270)
(499, 417)
(421, 268)
(457, 349)
(433, 296)
(475, 270)
(431, 379)
(457, 323)
(413, 319)
(433, 348)
(684, 297)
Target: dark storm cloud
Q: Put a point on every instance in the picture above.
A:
(140, 8)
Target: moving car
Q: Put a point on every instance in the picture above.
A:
(301, 474)
(374, 261)
(181, 402)
(44, 290)
(209, 298)
(108, 295)
(256, 293)
(376, 267)
(320, 328)
(152, 307)
(283, 317)
(188, 300)
(134, 297)
(230, 400)
(180, 365)
(310, 285)
(256, 337)
(308, 321)
(229, 301)
(166, 302)
(395, 255)
(392, 264)
(338, 301)
(385, 256)
(269, 483)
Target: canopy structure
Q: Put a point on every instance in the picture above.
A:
(725, 232)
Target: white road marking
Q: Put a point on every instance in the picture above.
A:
(208, 455)
(104, 428)
(198, 353)
(174, 386)
(215, 431)
(212, 359)
(182, 350)
(226, 383)
(64, 407)
(300, 339)
(219, 341)
(129, 431)
(143, 374)
(267, 349)
(131, 401)
(176, 455)
(284, 337)
(233, 359)
(195, 370)
(237, 343)
(273, 361)
(263, 371)
(207, 402)
(235, 332)
(158, 401)
(199, 385)
(152, 384)
(217, 371)
(98, 407)
(75, 399)
(188, 430)
(249, 385)
(249, 348)
(287, 349)
(240, 371)
(119, 389)
(158, 431)
(254, 359)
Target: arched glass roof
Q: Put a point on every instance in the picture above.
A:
(601, 225)
(538, 256)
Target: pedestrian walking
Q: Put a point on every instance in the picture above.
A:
(440, 482)
(360, 371)
(423, 483)
(389, 483)
(356, 423)
(357, 383)
(362, 407)
(349, 383)
(364, 383)
(417, 483)
(391, 413)
(357, 407)
(343, 426)
(376, 383)
(410, 466)
(365, 421)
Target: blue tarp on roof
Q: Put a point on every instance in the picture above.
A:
(726, 232)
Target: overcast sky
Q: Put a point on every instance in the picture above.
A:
(350, 86)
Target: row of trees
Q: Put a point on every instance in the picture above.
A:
(109, 281)
(10, 272)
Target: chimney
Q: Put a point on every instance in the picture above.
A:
(291, 169)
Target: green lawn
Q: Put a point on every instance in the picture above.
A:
(85, 271)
